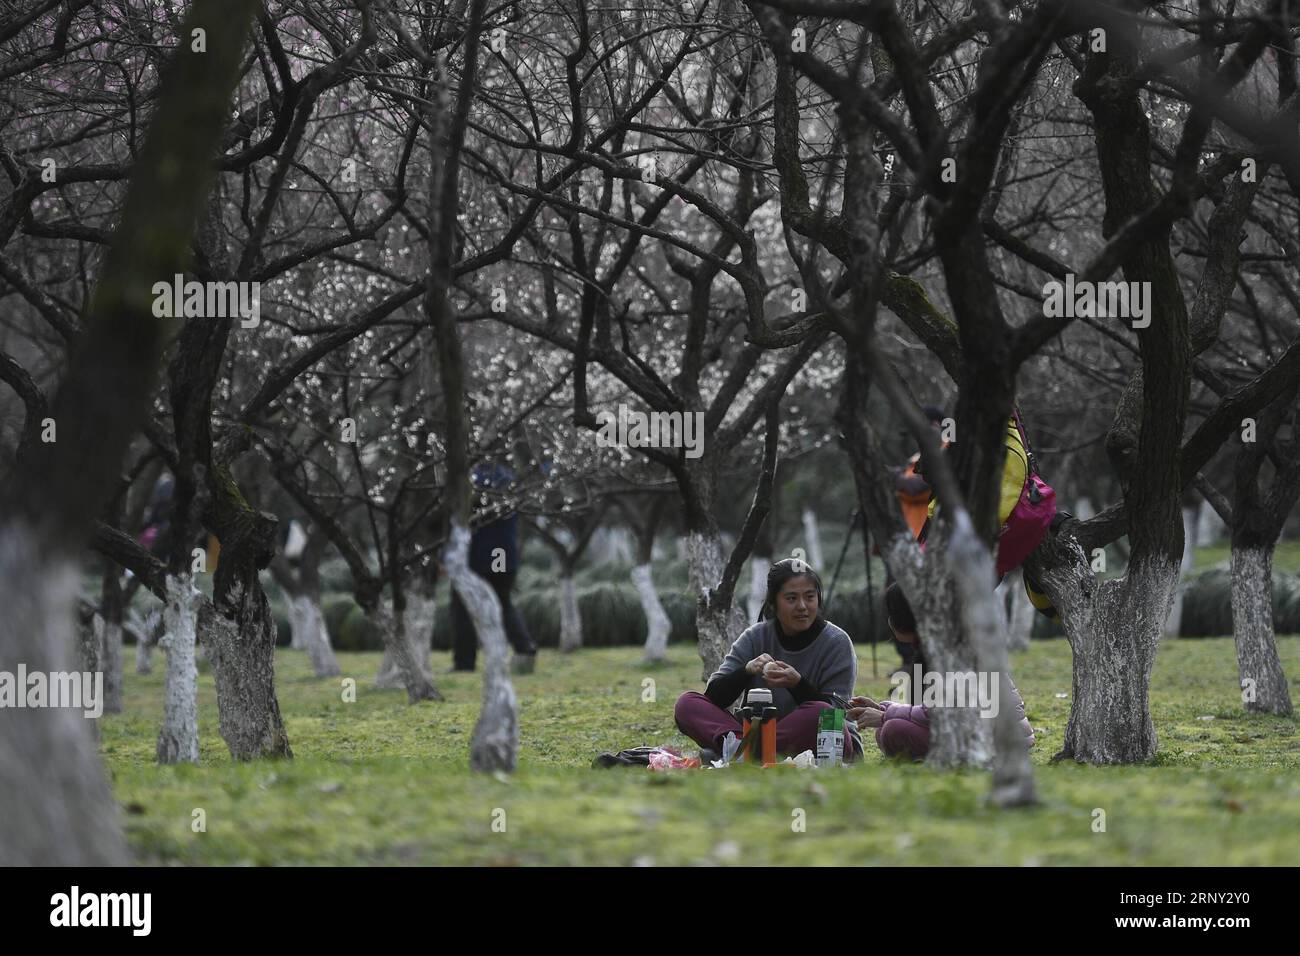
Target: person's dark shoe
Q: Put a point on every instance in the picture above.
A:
(459, 670)
(523, 663)
(708, 755)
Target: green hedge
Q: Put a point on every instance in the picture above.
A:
(612, 617)
(350, 629)
(1207, 608)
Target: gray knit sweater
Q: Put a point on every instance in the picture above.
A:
(827, 665)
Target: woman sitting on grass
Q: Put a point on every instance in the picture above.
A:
(795, 651)
(903, 729)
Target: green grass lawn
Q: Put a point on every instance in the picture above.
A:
(378, 781)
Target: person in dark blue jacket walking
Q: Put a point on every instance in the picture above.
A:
(493, 556)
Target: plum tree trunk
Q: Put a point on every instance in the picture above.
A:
(146, 637)
(718, 627)
(241, 646)
(971, 565)
(111, 640)
(1263, 682)
(58, 810)
(1209, 526)
(1114, 629)
(307, 624)
(401, 665)
(420, 613)
(300, 621)
(758, 566)
(414, 630)
(657, 625)
(813, 539)
(112, 666)
(1258, 514)
(959, 737)
(495, 744)
(239, 633)
(57, 805)
(90, 643)
(111, 661)
(178, 739)
(1020, 613)
(570, 618)
(1174, 624)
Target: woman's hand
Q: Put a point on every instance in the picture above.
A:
(866, 716)
(780, 674)
(860, 702)
(756, 666)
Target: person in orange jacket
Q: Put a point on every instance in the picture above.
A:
(914, 496)
(911, 487)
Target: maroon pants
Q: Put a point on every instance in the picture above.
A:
(901, 737)
(706, 723)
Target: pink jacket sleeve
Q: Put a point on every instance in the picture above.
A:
(917, 715)
(913, 712)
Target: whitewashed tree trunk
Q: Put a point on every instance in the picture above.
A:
(1005, 592)
(1020, 613)
(90, 643)
(1174, 623)
(420, 612)
(1262, 680)
(298, 639)
(1114, 629)
(610, 546)
(146, 637)
(657, 624)
(389, 676)
(307, 625)
(570, 618)
(495, 744)
(111, 660)
(1210, 528)
(621, 541)
(717, 628)
(813, 539)
(758, 566)
(959, 737)
(403, 665)
(178, 739)
(92, 652)
(58, 809)
(971, 566)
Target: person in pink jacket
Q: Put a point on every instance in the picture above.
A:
(903, 729)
